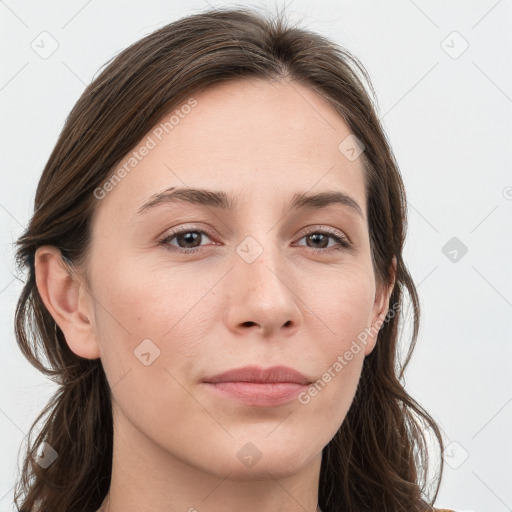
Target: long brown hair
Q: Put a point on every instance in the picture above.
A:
(378, 459)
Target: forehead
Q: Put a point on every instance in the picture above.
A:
(253, 139)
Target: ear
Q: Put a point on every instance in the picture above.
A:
(66, 298)
(380, 308)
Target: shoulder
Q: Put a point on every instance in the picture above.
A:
(443, 510)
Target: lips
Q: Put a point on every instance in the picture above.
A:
(257, 374)
(256, 386)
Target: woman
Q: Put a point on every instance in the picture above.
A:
(255, 370)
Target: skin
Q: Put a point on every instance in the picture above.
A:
(176, 442)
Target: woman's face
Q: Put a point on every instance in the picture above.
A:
(245, 285)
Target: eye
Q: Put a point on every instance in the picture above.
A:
(188, 240)
(322, 236)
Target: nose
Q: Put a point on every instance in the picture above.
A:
(263, 298)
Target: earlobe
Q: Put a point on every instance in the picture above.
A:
(63, 295)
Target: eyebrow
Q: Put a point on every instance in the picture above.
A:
(218, 199)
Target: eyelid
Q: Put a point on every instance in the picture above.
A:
(185, 228)
(321, 227)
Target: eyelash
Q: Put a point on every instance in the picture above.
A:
(344, 244)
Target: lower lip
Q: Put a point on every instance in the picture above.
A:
(260, 394)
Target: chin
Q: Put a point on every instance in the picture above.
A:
(264, 470)
(262, 459)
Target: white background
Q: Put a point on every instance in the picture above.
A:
(449, 122)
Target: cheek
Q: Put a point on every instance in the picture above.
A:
(150, 335)
(135, 303)
(342, 312)
(342, 300)
(145, 301)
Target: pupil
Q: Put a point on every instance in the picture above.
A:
(190, 236)
(315, 237)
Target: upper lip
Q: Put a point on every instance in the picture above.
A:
(258, 374)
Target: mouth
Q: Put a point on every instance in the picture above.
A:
(256, 386)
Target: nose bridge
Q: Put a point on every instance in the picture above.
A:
(262, 261)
